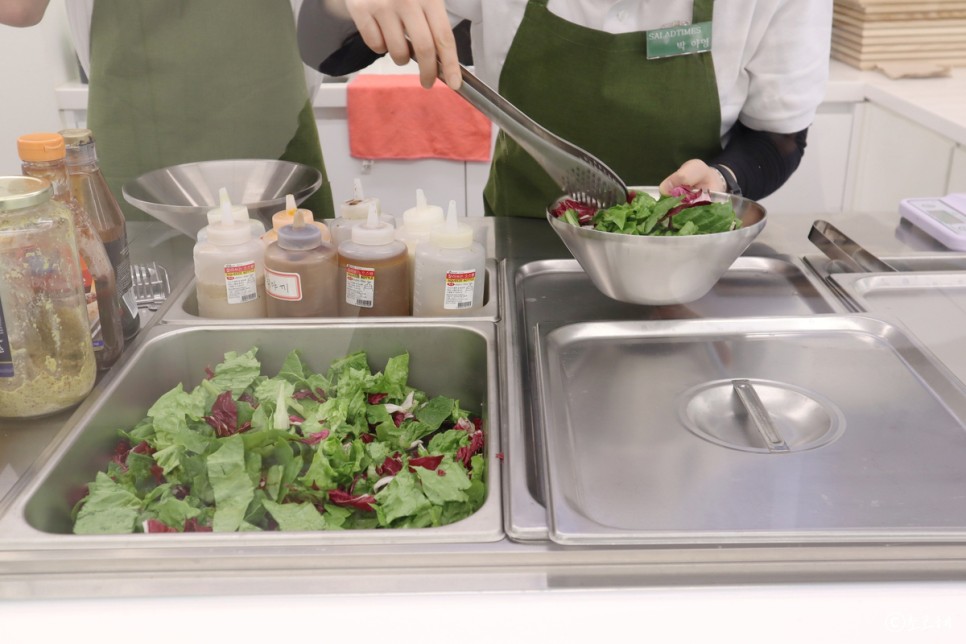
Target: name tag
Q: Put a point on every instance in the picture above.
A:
(679, 41)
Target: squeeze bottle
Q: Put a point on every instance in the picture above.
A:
(240, 213)
(418, 222)
(373, 271)
(449, 270)
(229, 268)
(300, 272)
(287, 217)
(354, 212)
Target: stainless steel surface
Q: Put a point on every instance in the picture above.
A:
(181, 195)
(622, 469)
(756, 410)
(39, 516)
(558, 291)
(150, 285)
(578, 173)
(840, 247)
(184, 308)
(642, 269)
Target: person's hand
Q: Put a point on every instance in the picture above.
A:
(694, 174)
(385, 26)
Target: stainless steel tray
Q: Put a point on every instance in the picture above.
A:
(184, 308)
(931, 305)
(548, 291)
(649, 442)
(457, 360)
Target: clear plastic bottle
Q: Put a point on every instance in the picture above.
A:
(240, 213)
(230, 269)
(418, 223)
(287, 218)
(355, 212)
(301, 272)
(43, 155)
(46, 356)
(89, 187)
(373, 271)
(449, 271)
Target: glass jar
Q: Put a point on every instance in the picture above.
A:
(46, 356)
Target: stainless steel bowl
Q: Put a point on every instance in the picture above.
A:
(182, 195)
(660, 270)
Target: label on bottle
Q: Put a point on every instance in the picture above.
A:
(283, 286)
(6, 359)
(241, 282)
(458, 292)
(360, 286)
(118, 252)
(93, 312)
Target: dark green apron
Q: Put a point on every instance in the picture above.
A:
(175, 81)
(643, 118)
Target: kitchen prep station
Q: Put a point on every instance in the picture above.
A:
(772, 431)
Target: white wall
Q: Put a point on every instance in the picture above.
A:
(35, 61)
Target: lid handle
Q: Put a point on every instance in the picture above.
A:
(760, 418)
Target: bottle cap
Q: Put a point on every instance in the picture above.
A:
(452, 234)
(41, 146)
(299, 235)
(358, 206)
(287, 216)
(77, 136)
(373, 232)
(229, 230)
(422, 217)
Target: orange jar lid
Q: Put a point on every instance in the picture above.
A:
(41, 146)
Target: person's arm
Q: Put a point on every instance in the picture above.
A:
(391, 26)
(22, 13)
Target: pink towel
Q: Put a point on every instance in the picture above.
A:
(391, 116)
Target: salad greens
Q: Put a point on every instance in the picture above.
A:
(684, 213)
(295, 451)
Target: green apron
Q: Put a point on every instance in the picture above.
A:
(175, 81)
(641, 117)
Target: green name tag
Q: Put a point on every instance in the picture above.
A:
(679, 41)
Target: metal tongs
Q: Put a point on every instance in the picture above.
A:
(840, 247)
(578, 173)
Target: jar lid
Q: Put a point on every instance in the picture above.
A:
(77, 136)
(41, 146)
(23, 192)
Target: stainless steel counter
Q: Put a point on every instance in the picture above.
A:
(55, 567)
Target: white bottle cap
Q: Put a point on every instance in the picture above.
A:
(452, 234)
(422, 218)
(358, 206)
(373, 232)
(228, 231)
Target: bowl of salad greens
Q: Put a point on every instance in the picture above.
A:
(658, 249)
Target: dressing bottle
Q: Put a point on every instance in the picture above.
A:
(89, 187)
(449, 270)
(301, 272)
(287, 217)
(240, 213)
(230, 268)
(44, 156)
(354, 212)
(418, 222)
(373, 271)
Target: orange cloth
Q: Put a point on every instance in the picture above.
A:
(391, 116)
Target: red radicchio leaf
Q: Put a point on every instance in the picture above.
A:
(193, 525)
(317, 437)
(358, 501)
(367, 438)
(209, 374)
(399, 416)
(318, 395)
(158, 473)
(247, 397)
(375, 399)
(153, 525)
(465, 453)
(392, 465)
(440, 472)
(224, 415)
(429, 462)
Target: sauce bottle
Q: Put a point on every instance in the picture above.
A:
(89, 187)
(418, 222)
(287, 217)
(46, 355)
(301, 272)
(43, 155)
(230, 268)
(373, 271)
(240, 213)
(449, 271)
(354, 212)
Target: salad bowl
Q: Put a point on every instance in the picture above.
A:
(641, 269)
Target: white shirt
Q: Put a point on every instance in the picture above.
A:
(771, 57)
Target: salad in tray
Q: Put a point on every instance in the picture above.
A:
(684, 212)
(297, 450)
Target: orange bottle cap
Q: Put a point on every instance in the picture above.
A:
(41, 146)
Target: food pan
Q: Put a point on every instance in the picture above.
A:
(457, 361)
(184, 308)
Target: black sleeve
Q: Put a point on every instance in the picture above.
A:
(761, 161)
(352, 56)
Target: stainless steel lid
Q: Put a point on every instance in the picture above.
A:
(18, 192)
